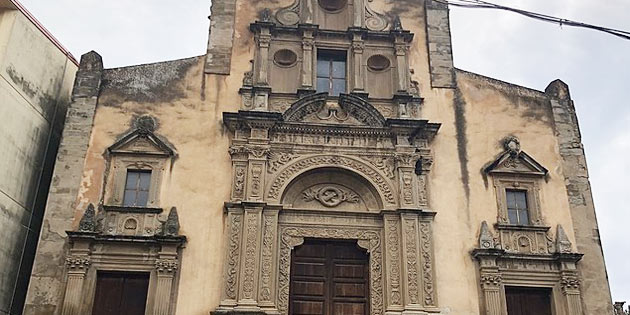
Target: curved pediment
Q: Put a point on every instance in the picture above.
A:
(348, 110)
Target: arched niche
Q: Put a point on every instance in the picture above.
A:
(331, 189)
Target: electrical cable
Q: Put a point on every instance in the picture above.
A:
(480, 4)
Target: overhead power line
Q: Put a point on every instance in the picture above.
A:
(479, 4)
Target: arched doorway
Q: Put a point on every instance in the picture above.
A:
(329, 277)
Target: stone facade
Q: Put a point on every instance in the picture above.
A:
(412, 162)
(36, 75)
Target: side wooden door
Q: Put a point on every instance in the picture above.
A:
(528, 301)
(120, 293)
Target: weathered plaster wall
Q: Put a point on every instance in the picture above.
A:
(188, 105)
(35, 83)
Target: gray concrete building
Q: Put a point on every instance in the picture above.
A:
(36, 75)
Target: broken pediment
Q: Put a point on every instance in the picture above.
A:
(142, 140)
(515, 161)
(333, 14)
(347, 110)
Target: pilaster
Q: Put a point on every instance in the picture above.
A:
(308, 43)
(232, 257)
(491, 283)
(250, 249)
(359, 76)
(77, 267)
(268, 261)
(411, 263)
(393, 262)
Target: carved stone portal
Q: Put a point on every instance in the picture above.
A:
(329, 169)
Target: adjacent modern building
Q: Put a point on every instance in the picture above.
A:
(323, 157)
(36, 75)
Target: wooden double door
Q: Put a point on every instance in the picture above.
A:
(329, 277)
(528, 301)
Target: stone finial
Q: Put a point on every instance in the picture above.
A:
(619, 308)
(397, 26)
(486, 239)
(88, 221)
(563, 245)
(512, 144)
(145, 123)
(265, 15)
(171, 226)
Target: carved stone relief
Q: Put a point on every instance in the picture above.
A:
(379, 181)
(426, 246)
(330, 196)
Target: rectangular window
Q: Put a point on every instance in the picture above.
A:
(331, 72)
(137, 188)
(528, 301)
(518, 212)
(120, 293)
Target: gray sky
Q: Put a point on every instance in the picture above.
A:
(498, 44)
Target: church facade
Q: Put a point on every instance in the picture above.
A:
(323, 157)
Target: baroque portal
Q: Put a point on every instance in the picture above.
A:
(306, 175)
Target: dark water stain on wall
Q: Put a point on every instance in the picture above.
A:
(156, 82)
(462, 141)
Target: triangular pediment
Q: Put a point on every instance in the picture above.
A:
(346, 110)
(142, 141)
(515, 161)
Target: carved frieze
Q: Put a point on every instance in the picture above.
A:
(525, 241)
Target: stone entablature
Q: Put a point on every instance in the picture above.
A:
(94, 247)
(553, 265)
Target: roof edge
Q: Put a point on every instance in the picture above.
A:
(501, 82)
(44, 31)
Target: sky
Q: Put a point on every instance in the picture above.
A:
(498, 44)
